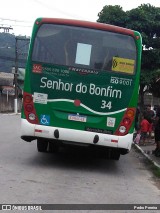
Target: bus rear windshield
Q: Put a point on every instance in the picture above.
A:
(84, 48)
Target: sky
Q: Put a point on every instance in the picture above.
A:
(21, 14)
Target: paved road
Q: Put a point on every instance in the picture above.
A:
(27, 176)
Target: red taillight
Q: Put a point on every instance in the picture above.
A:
(29, 109)
(27, 98)
(126, 122)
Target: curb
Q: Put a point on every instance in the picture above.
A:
(147, 156)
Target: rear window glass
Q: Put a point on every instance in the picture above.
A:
(84, 48)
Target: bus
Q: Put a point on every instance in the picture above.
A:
(81, 86)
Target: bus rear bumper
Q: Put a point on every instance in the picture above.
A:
(31, 132)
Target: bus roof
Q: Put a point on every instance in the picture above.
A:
(87, 24)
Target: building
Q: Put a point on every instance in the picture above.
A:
(7, 93)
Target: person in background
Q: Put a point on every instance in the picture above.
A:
(137, 137)
(150, 116)
(158, 111)
(144, 128)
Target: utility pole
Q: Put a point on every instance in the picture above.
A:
(6, 29)
(15, 77)
(16, 71)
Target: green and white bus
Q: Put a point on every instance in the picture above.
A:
(81, 85)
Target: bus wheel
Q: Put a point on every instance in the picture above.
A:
(42, 145)
(53, 147)
(124, 151)
(115, 155)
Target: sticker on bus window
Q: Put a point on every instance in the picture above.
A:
(40, 98)
(111, 121)
(37, 68)
(83, 54)
(123, 65)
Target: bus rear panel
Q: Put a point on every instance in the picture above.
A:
(81, 85)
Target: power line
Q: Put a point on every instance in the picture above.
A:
(52, 7)
(15, 20)
(17, 25)
(9, 26)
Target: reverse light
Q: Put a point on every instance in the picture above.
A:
(122, 129)
(32, 116)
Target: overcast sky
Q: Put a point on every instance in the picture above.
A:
(24, 12)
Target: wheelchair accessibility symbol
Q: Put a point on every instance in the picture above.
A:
(45, 120)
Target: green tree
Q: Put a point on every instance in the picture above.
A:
(146, 20)
(113, 15)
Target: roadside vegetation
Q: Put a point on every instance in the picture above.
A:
(146, 20)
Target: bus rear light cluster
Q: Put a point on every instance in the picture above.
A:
(126, 122)
(29, 109)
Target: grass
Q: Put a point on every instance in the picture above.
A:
(155, 170)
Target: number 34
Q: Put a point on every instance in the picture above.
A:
(106, 105)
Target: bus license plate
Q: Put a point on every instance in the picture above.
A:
(80, 118)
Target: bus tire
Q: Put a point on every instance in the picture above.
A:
(124, 151)
(115, 155)
(53, 147)
(42, 145)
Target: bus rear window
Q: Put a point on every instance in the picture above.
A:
(84, 48)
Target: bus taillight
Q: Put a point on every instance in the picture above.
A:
(29, 109)
(126, 122)
(27, 98)
(130, 112)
